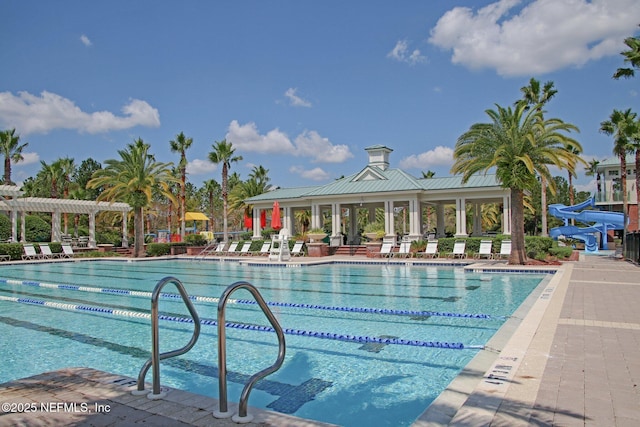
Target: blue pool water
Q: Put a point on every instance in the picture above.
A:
(332, 380)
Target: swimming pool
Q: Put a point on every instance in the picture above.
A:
(389, 380)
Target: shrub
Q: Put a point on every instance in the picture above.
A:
(158, 249)
(14, 250)
(195, 240)
(36, 229)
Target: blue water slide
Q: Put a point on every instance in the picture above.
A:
(601, 222)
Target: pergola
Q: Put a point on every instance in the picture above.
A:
(12, 202)
(393, 190)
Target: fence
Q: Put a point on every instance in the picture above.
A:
(632, 248)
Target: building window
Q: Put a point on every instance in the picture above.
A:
(612, 173)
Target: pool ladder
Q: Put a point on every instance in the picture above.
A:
(154, 361)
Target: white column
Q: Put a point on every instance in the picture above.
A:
(415, 219)
(506, 215)
(353, 224)
(461, 217)
(14, 226)
(388, 218)
(92, 231)
(336, 217)
(255, 221)
(287, 219)
(316, 216)
(23, 228)
(55, 227)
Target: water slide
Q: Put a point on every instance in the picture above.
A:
(601, 222)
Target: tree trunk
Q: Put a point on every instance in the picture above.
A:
(224, 202)
(543, 202)
(138, 226)
(518, 253)
(182, 203)
(7, 170)
(637, 187)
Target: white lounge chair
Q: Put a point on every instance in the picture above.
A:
(46, 251)
(385, 250)
(244, 251)
(485, 250)
(30, 252)
(297, 249)
(232, 248)
(458, 250)
(264, 250)
(431, 251)
(505, 249)
(67, 251)
(404, 251)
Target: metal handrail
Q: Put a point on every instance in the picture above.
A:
(156, 356)
(222, 353)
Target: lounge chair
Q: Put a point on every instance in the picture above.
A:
(404, 251)
(219, 249)
(264, 250)
(46, 251)
(67, 251)
(232, 248)
(431, 251)
(458, 250)
(30, 252)
(485, 250)
(385, 250)
(298, 248)
(505, 250)
(245, 249)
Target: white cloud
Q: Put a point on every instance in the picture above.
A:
(308, 144)
(315, 174)
(295, 100)
(41, 114)
(28, 158)
(320, 149)
(543, 36)
(439, 156)
(200, 167)
(400, 52)
(247, 138)
(85, 40)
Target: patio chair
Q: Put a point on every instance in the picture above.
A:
(485, 250)
(232, 248)
(404, 251)
(46, 251)
(298, 248)
(219, 249)
(30, 252)
(505, 250)
(431, 251)
(385, 250)
(67, 251)
(244, 250)
(458, 250)
(264, 250)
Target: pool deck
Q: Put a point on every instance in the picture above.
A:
(568, 357)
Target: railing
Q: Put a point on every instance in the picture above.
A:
(632, 247)
(223, 412)
(156, 356)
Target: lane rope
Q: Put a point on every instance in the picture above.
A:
(214, 300)
(211, 322)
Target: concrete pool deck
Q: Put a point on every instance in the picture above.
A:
(571, 359)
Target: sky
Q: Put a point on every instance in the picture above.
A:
(302, 87)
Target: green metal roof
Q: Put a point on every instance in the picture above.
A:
(376, 180)
(615, 161)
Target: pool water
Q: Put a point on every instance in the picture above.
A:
(326, 379)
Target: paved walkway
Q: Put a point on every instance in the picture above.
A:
(572, 361)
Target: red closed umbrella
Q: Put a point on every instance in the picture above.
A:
(276, 222)
(263, 218)
(248, 221)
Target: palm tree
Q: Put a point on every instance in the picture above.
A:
(180, 145)
(52, 173)
(260, 174)
(532, 95)
(223, 152)
(67, 167)
(622, 126)
(133, 179)
(12, 151)
(211, 187)
(519, 145)
(631, 56)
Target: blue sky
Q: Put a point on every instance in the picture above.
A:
(301, 87)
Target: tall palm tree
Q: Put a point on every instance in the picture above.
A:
(67, 168)
(12, 151)
(211, 187)
(519, 144)
(52, 173)
(260, 174)
(631, 56)
(533, 96)
(223, 152)
(133, 179)
(622, 126)
(180, 145)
